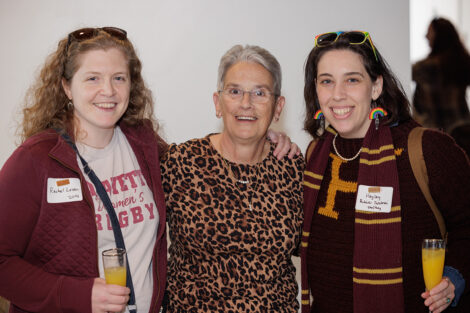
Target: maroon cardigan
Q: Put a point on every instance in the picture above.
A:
(48, 252)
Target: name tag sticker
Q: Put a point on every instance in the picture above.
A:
(374, 199)
(61, 190)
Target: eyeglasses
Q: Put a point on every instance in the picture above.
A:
(88, 33)
(258, 96)
(354, 38)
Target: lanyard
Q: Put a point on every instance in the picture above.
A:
(112, 216)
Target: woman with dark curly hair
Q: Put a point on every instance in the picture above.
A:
(365, 216)
(89, 100)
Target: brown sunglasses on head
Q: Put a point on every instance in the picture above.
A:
(88, 33)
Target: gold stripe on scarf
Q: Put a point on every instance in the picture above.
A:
(377, 151)
(313, 175)
(378, 281)
(313, 186)
(379, 161)
(378, 271)
(393, 209)
(331, 130)
(378, 221)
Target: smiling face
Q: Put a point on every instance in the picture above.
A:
(245, 121)
(345, 92)
(99, 91)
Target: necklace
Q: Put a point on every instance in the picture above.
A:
(231, 173)
(340, 156)
(246, 183)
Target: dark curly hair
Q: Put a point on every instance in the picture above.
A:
(392, 98)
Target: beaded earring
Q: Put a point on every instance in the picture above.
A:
(375, 113)
(319, 116)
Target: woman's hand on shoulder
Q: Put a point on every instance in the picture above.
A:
(284, 144)
(108, 298)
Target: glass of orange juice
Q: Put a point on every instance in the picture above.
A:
(114, 264)
(433, 254)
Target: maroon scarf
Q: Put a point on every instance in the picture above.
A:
(377, 264)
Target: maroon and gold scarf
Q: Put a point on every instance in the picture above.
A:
(377, 263)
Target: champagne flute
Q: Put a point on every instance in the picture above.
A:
(114, 264)
(433, 254)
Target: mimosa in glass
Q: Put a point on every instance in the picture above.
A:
(115, 275)
(114, 264)
(433, 255)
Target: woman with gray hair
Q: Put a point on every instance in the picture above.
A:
(235, 209)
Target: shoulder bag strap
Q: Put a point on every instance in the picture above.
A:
(418, 165)
(310, 148)
(112, 216)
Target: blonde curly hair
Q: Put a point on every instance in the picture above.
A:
(46, 104)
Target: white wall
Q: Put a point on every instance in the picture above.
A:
(181, 42)
(421, 14)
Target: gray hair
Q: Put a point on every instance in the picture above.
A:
(253, 54)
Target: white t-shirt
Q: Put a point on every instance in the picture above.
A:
(117, 168)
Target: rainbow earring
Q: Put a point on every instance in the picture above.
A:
(375, 113)
(319, 116)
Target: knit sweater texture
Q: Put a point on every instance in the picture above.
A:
(331, 242)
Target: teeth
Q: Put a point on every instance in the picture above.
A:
(247, 118)
(105, 105)
(342, 111)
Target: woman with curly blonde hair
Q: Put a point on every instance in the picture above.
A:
(89, 104)
(46, 104)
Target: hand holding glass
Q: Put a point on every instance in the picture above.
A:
(433, 254)
(114, 264)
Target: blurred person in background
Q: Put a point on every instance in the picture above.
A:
(441, 80)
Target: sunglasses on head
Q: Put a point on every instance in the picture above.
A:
(353, 37)
(88, 33)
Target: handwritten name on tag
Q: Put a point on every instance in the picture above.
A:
(60, 190)
(374, 199)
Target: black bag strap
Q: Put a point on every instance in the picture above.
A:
(112, 216)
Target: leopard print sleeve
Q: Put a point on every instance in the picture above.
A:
(233, 230)
(168, 167)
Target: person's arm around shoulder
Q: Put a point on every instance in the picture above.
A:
(284, 146)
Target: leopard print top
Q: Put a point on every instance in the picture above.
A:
(224, 256)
